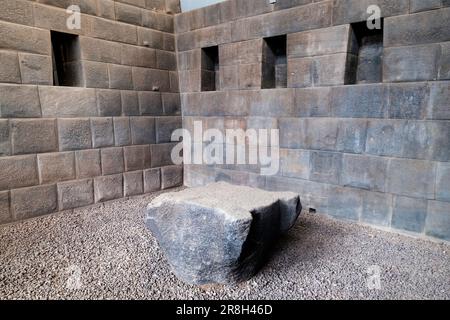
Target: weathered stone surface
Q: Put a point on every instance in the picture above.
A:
(31, 39)
(295, 163)
(33, 136)
(443, 182)
(440, 101)
(120, 77)
(112, 161)
(109, 103)
(325, 167)
(171, 177)
(34, 201)
(5, 215)
(102, 132)
(18, 101)
(420, 5)
(100, 50)
(55, 167)
(143, 130)
(74, 134)
(75, 194)
(122, 133)
(130, 103)
(95, 74)
(18, 172)
(65, 102)
(408, 101)
(88, 164)
(409, 214)
(444, 65)
(9, 69)
(150, 103)
(419, 63)
(17, 11)
(133, 183)
(161, 154)
(226, 242)
(364, 172)
(5, 145)
(36, 69)
(438, 220)
(108, 188)
(152, 180)
(137, 157)
(165, 126)
(376, 208)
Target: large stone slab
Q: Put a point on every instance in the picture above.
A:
(220, 233)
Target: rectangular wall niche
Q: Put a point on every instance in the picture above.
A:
(210, 69)
(274, 63)
(67, 67)
(366, 65)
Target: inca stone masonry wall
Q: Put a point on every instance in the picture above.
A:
(107, 137)
(377, 153)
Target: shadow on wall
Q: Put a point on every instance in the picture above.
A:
(188, 5)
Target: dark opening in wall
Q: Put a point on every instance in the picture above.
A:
(365, 64)
(274, 63)
(67, 68)
(210, 69)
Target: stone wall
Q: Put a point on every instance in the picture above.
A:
(105, 135)
(356, 144)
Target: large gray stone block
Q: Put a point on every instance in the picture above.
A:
(64, 102)
(438, 220)
(102, 132)
(88, 163)
(409, 214)
(75, 194)
(133, 183)
(5, 214)
(418, 63)
(18, 172)
(376, 208)
(9, 69)
(325, 167)
(143, 130)
(171, 177)
(364, 172)
(108, 188)
(74, 134)
(36, 69)
(440, 101)
(408, 101)
(122, 133)
(412, 178)
(109, 103)
(226, 243)
(33, 136)
(55, 167)
(5, 144)
(443, 182)
(152, 180)
(19, 101)
(35, 201)
(31, 39)
(137, 157)
(112, 160)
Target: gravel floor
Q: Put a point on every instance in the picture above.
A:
(104, 252)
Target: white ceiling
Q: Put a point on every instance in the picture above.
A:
(187, 5)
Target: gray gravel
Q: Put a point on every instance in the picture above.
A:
(104, 252)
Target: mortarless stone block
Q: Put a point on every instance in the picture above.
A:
(312, 102)
(143, 130)
(360, 101)
(88, 164)
(100, 50)
(17, 11)
(5, 144)
(36, 69)
(409, 214)
(420, 5)
(112, 161)
(150, 103)
(150, 79)
(258, 210)
(161, 154)
(133, 183)
(418, 63)
(95, 74)
(31, 39)
(293, 133)
(130, 103)
(120, 77)
(152, 180)
(319, 42)
(55, 167)
(5, 214)
(33, 136)
(229, 77)
(137, 157)
(166, 60)
(352, 135)
(165, 127)
(111, 30)
(32, 202)
(364, 172)
(443, 182)
(109, 103)
(66, 102)
(122, 133)
(108, 188)
(438, 220)
(376, 208)
(19, 101)
(411, 178)
(403, 30)
(18, 172)
(74, 134)
(9, 69)
(75, 194)
(171, 104)
(138, 56)
(322, 134)
(408, 101)
(439, 100)
(325, 167)
(250, 76)
(102, 132)
(105, 9)
(295, 163)
(128, 14)
(444, 65)
(344, 203)
(150, 38)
